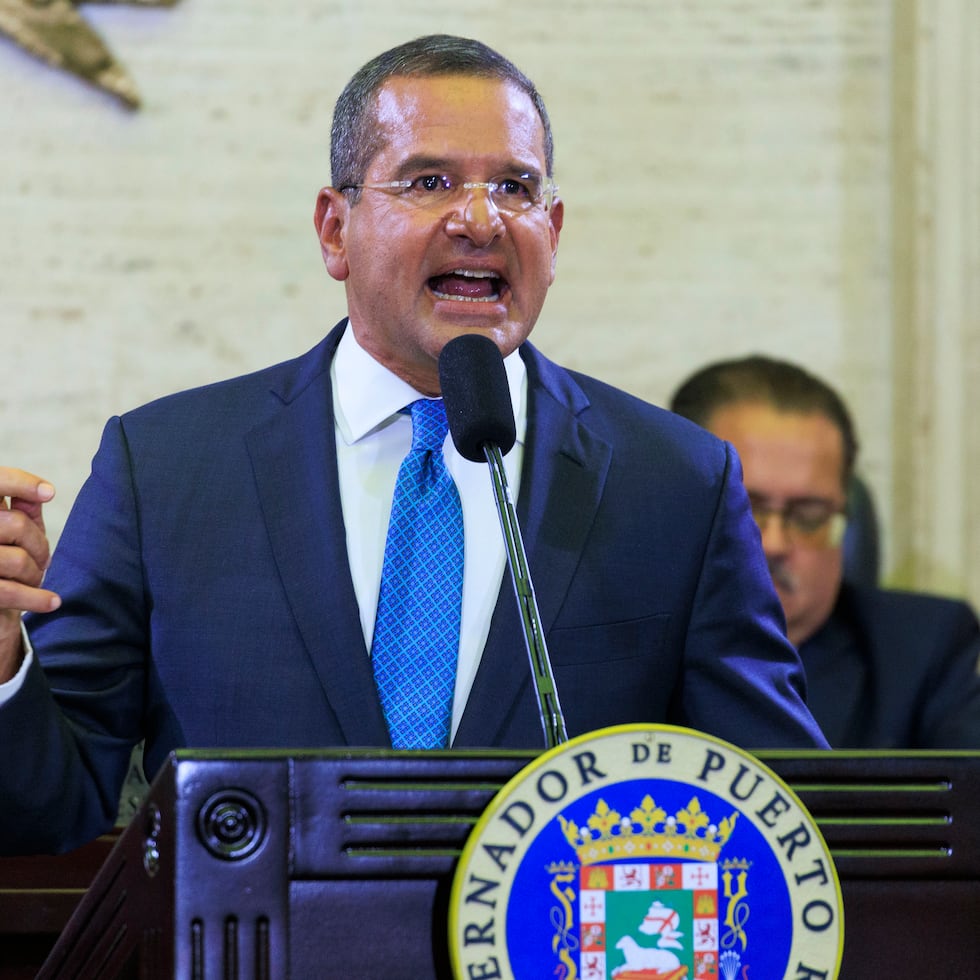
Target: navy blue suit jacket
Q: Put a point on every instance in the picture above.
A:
(208, 599)
(896, 670)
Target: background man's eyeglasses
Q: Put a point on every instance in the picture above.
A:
(510, 193)
(812, 523)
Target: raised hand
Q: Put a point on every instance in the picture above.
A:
(24, 557)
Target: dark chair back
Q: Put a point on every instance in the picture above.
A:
(862, 555)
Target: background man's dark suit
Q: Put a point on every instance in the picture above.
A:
(895, 670)
(208, 601)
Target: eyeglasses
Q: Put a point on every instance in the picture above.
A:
(511, 193)
(809, 522)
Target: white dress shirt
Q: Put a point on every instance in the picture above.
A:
(372, 439)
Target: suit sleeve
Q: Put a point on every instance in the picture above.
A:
(67, 735)
(743, 680)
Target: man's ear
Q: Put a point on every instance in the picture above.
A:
(556, 218)
(330, 220)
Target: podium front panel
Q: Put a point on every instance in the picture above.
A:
(340, 863)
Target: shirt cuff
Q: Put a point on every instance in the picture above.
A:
(9, 688)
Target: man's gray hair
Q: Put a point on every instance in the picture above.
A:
(354, 137)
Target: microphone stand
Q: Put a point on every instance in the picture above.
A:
(549, 708)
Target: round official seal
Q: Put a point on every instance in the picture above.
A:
(646, 852)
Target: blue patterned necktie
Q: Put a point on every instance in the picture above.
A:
(416, 632)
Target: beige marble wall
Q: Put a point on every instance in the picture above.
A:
(736, 177)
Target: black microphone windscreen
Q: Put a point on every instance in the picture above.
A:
(476, 395)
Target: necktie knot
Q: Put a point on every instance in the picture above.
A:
(429, 424)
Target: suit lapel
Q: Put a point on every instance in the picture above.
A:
(563, 475)
(294, 459)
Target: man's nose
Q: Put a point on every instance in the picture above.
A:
(475, 215)
(774, 538)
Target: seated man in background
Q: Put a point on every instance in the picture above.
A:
(885, 669)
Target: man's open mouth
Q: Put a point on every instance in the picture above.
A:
(468, 285)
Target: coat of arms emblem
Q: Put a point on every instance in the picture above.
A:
(646, 853)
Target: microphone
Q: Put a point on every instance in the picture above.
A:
(476, 396)
(481, 421)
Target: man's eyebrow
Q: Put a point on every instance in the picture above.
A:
(423, 162)
(418, 162)
(766, 498)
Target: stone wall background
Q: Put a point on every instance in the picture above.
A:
(794, 177)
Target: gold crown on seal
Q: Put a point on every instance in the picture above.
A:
(648, 832)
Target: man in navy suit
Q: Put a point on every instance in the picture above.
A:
(885, 669)
(217, 580)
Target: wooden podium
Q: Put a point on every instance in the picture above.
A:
(339, 864)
